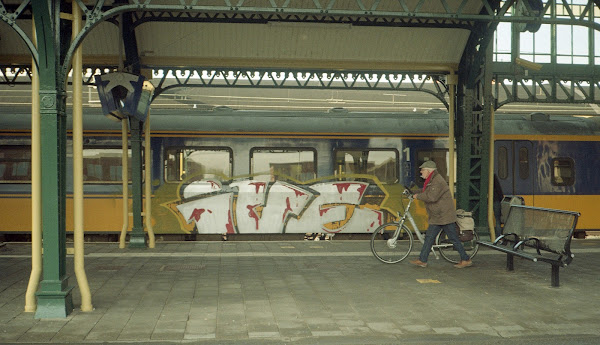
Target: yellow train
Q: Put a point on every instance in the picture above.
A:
(267, 172)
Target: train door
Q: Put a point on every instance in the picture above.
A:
(515, 167)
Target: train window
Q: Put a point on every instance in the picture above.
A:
(104, 165)
(523, 163)
(502, 162)
(381, 163)
(297, 163)
(15, 164)
(439, 156)
(563, 172)
(197, 162)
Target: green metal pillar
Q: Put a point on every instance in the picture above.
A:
(54, 297)
(137, 238)
(473, 129)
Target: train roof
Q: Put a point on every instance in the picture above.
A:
(335, 121)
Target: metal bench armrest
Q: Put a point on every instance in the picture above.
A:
(537, 244)
(505, 237)
(568, 258)
(519, 244)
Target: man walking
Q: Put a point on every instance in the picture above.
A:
(441, 214)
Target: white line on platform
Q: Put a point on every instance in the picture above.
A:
(150, 253)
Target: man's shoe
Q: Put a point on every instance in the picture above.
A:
(418, 263)
(463, 264)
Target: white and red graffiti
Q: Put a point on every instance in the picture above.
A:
(278, 207)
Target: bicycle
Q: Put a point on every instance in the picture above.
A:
(392, 242)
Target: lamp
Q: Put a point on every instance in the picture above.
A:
(124, 94)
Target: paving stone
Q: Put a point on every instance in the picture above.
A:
(416, 328)
(449, 330)
(295, 332)
(256, 326)
(509, 328)
(336, 296)
(292, 323)
(384, 327)
(330, 333)
(350, 323)
(167, 335)
(36, 337)
(199, 336)
(355, 330)
(108, 335)
(479, 328)
(134, 336)
(263, 334)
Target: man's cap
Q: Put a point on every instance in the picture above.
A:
(428, 165)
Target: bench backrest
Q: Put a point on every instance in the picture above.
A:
(553, 228)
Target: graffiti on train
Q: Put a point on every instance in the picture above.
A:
(252, 206)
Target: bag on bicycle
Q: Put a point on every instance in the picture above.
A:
(465, 225)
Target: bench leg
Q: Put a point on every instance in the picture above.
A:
(554, 279)
(510, 262)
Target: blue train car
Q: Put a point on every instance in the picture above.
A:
(553, 163)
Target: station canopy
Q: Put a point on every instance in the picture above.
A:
(187, 40)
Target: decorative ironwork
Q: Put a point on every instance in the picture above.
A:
(433, 84)
(575, 87)
(172, 77)
(21, 74)
(442, 13)
(15, 75)
(571, 86)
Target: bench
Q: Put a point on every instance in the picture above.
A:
(537, 234)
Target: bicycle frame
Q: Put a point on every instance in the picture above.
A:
(389, 246)
(411, 220)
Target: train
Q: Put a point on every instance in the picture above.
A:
(225, 171)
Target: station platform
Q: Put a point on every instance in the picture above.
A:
(306, 292)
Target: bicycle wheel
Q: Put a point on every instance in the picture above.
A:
(450, 253)
(388, 249)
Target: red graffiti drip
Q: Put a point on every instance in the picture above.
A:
(213, 184)
(342, 187)
(258, 185)
(229, 225)
(323, 211)
(372, 223)
(197, 214)
(252, 213)
(361, 189)
(298, 192)
(288, 208)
